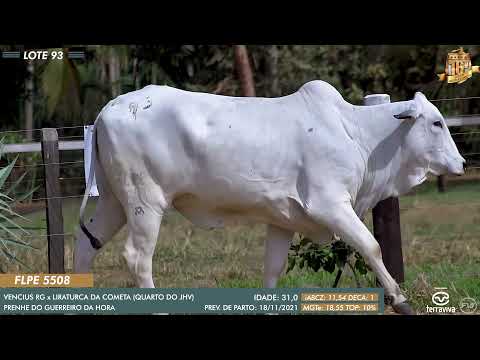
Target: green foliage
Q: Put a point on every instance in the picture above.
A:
(355, 70)
(61, 86)
(24, 165)
(307, 254)
(71, 92)
(9, 229)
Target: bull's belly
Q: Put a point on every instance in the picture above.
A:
(286, 213)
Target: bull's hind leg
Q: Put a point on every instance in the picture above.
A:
(277, 245)
(144, 204)
(109, 217)
(143, 228)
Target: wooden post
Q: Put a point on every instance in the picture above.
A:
(386, 229)
(50, 155)
(441, 183)
(386, 220)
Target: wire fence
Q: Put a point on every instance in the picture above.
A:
(458, 98)
(470, 137)
(41, 180)
(42, 164)
(46, 235)
(39, 129)
(81, 162)
(465, 133)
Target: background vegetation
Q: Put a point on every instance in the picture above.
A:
(70, 92)
(439, 231)
(64, 93)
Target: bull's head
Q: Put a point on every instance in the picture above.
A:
(429, 139)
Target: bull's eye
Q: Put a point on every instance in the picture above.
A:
(438, 123)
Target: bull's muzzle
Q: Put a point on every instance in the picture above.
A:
(457, 166)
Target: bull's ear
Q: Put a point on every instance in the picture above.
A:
(409, 113)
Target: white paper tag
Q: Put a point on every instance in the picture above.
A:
(87, 152)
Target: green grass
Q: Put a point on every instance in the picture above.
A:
(457, 192)
(420, 282)
(441, 248)
(462, 280)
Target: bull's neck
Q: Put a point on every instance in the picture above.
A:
(390, 169)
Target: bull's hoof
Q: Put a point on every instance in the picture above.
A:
(403, 309)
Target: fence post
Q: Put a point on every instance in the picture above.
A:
(386, 220)
(50, 155)
(441, 183)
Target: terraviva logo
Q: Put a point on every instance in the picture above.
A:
(441, 298)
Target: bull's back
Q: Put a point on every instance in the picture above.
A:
(212, 157)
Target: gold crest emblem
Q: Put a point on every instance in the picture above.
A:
(458, 67)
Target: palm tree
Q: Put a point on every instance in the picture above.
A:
(60, 84)
(77, 90)
(9, 237)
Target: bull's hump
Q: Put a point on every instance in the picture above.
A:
(319, 90)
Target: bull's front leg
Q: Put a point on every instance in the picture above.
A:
(277, 244)
(342, 220)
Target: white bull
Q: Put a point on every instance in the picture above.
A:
(309, 162)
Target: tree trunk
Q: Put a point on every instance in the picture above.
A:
(135, 72)
(137, 78)
(113, 71)
(103, 71)
(154, 73)
(117, 75)
(244, 71)
(29, 100)
(271, 71)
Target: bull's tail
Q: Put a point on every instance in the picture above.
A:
(96, 244)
